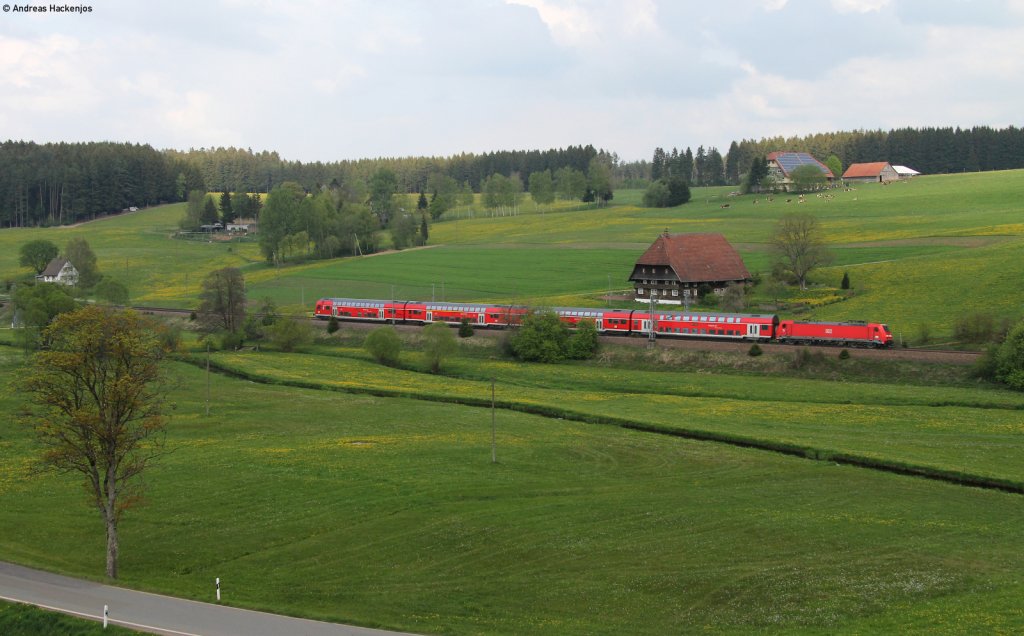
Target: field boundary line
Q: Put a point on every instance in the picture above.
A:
(741, 441)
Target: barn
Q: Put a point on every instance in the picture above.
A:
(876, 172)
(675, 267)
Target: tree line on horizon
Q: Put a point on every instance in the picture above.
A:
(63, 183)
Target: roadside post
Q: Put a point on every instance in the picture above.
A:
(218, 589)
(106, 613)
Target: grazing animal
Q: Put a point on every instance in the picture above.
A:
(725, 205)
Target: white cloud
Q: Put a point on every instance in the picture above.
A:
(569, 23)
(859, 6)
(326, 80)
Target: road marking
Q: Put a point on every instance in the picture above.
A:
(98, 618)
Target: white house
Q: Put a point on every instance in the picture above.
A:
(60, 270)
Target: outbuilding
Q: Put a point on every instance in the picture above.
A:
(905, 172)
(876, 172)
(675, 268)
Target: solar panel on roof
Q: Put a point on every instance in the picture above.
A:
(791, 160)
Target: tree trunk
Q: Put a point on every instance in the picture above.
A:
(111, 545)
(110, 517)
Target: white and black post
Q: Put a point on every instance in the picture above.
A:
(106, 613)
(218, 589)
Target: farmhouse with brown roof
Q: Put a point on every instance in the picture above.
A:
(675, 267)
(878, 172)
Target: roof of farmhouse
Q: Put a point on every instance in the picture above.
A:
(54, 266)
(790, 161)
(695, 258)
(865, 169)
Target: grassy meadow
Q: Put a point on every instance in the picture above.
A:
(921, 252)
(324, 485)
(388, 511)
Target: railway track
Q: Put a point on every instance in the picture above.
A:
(920, 355)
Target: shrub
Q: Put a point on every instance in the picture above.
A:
(253, 328)
(290, 333)
(924, 333)
(231, 341)
(438, 344)
(845, 284)
(332, 325)
(844, 354)
(192, 316)
(384, 345)
(583, 344)
(1009, 359)
(975, 328)
(541, 338)
(755, 350)
(112, 291)
(465, 329)
(170, 337)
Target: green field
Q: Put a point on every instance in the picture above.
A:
(327, 486)
(348, 507)
(930, 250)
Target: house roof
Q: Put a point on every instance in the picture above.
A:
(696, 257)
(54, 267)
(789, 161)
(905, 171)
(865, 169)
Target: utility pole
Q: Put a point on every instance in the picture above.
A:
(494, 447)
(207, 378)
(650, 336)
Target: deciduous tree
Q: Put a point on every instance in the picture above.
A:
(222, 300)
(542, 337)
(96, 403)
(82, 257)
(384, 345)
(807, 177)
(438, 345)
(37, 254)
(799, 246)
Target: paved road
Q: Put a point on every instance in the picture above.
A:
(155, 613)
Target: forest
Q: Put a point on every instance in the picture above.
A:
(64, 183)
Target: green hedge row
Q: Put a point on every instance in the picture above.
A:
(786, 448)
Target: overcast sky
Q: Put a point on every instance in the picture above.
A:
(344, 79)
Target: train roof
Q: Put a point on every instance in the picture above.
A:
(847, 323)
(592, 311)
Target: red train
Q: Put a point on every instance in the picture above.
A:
(681, 324)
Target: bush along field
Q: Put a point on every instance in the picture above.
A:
(388, 511)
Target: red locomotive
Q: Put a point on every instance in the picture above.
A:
(676, 324)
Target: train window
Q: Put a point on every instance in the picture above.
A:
(764, 328)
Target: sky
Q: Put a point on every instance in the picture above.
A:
(328, 80)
